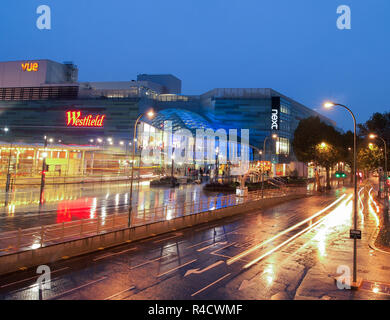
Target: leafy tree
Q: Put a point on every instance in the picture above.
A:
(379, 124)
(315, 141)
(370, 158)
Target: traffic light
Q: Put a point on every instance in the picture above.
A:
(340, 174)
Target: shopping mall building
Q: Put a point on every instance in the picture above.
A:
(89, 125)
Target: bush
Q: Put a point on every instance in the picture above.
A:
(165, 182)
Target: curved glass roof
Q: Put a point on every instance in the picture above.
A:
(180, 119)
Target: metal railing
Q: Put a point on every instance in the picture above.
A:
(33, 238)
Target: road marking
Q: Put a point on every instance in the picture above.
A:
(117, 294)
(77, 288)
(212, 239)
(178, 267)
(197, 271)
(211, 284)
(179, 234)
(26, 279)
(198, 244)
(227, 246)
(211, 245)
(150, 261)
(114, 254)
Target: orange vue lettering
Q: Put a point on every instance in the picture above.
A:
(30, 66)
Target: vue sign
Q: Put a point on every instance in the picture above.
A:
(30, 66)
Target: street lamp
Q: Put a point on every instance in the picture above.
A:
(374, 136)
(43, 173)
(8, 181)
(330, 105)
(150, 114)
(273, 136)
(216, 164)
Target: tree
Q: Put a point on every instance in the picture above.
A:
(379, 124)
(370, 158)
(315, 141)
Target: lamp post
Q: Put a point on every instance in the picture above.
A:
(150, 114)
(43, 173)
(273, 136)
(217, 164)
(7, 184)
(330, 105)
(373, 136)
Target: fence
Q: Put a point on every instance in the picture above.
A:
(33, 238)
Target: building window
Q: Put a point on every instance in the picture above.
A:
(283, 146)
(284, 109)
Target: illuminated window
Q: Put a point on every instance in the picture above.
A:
(283, 146)
(284, 109)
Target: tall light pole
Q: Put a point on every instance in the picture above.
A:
(43, 173)
(330, 105)
(374, 136)
(150, 114)
(7, 184)
(217, 164)
(273, 136)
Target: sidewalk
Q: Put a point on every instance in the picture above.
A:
(373, 266)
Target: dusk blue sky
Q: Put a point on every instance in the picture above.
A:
(292, 46)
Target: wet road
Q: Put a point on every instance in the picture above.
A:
(74, 202)
(261, 255)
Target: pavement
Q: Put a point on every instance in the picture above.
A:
(259, 255)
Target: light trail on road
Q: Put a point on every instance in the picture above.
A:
(371, 209)
(248, 251)
(311, 227)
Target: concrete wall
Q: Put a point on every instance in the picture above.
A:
(12, 262)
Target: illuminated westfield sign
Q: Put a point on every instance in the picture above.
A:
(30, 66)
(75, 119)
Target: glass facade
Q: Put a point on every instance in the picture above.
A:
(102, 116)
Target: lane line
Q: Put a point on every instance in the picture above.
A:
(77, 288)
(114, 254)
(26, 279)
(211, 245)
(150, 261)
(198, 244)
(117, 294)
(227, 246)
(211, 284)
(178, 267)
